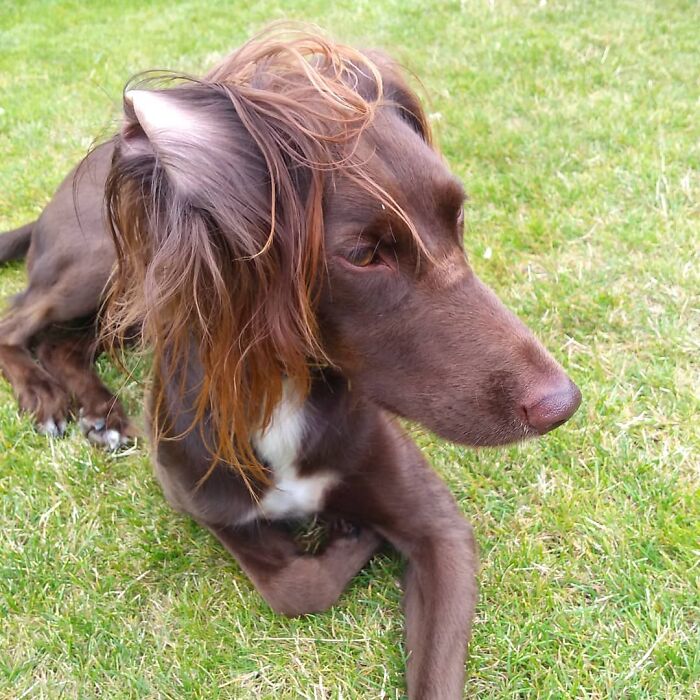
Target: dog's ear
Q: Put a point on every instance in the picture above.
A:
(215, 204)
(158, 112)
(219, 238)
(155, 123)
(408, 105)
(190, 133)
(397, 93)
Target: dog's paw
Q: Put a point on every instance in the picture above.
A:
(53, 427)
(339, 527)
(48, 402)
(345, 533)
(357, 543)
(109, 431)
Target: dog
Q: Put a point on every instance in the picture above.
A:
(286, 241)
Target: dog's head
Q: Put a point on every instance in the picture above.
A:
(289, 210)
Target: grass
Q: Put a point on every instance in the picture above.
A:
(574, 126)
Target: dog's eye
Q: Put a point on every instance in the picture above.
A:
(364, 257)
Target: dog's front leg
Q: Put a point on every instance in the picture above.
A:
(408, 504)
(293, 582)
(440, 596)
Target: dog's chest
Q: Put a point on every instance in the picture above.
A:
(290, 495)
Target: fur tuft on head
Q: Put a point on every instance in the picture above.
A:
(215, 204)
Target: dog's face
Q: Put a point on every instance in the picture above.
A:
(418, 331)
(282, 212)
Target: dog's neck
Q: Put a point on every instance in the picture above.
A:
(298, 428)
(299, 447)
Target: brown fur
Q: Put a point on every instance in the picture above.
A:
(300, 238)
(243, 263)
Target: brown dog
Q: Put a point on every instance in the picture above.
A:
(289, 246)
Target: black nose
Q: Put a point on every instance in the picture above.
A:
(553, 406)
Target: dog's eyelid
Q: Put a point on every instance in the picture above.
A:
(368, 254)
(363, 253)
(380, 234)
(459, 222)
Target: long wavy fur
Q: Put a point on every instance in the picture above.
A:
(220, 239)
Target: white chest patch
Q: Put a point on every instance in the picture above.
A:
(290, 495)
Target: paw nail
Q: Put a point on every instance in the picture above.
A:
(112, 439)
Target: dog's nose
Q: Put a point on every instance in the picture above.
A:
(553, 406)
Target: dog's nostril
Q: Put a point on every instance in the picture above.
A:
(554, 408)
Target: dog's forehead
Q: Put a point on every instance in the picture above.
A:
(403, 158)
(406, 168)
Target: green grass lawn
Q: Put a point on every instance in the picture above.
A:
(575, 126)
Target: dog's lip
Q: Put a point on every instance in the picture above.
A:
(554, 426)
(517, 433)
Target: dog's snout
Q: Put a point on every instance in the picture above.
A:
(552, 406)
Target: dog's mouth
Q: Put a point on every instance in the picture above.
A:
(554, 426)
(502, 431)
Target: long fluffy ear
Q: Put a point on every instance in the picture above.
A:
(193, 134)
(215, 205)
(215, 255)
(157, 124)
(397, 93)
(400, 95)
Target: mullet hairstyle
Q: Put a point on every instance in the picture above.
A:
(215, 204)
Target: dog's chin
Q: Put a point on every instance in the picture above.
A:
(504, 441)
(493, 436)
